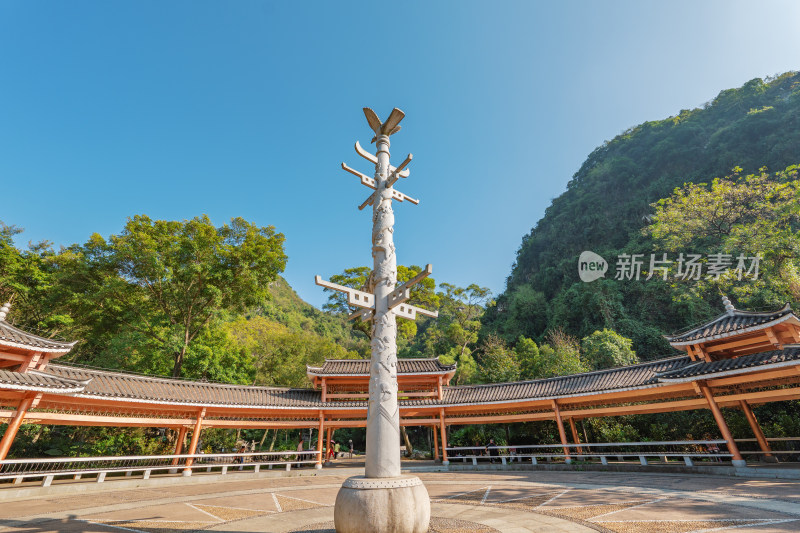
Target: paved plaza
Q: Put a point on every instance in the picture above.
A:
(505, 501)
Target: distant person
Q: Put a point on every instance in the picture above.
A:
(711, 447)
(694, 448)
(350, 442)
(331, 445)
(493, 451)
(299, 449)
(240, 458)
(336, 449)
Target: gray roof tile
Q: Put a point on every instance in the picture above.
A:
(360, 367)
(756, 361)
(727, 325)
(38, 381)
(15, 337)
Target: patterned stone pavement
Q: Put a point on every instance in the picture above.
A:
(469, 502)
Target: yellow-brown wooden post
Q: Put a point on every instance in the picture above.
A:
(439, 387)
(435, 445)
(575, 436)
(319, 436)
(13, 426)
(443, 429)
(762, 441)
(195, 439)
(561, 432)
(179, 444)
(690, 352)
(324, 391)
(723, 426)
(328, 443)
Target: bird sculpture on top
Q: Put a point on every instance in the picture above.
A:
(390, 127)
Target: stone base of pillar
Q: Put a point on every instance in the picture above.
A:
(187, 472)
(769, 459)
(318, 466)
(739, 463)
(382, 505)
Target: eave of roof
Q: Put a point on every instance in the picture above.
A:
(135, 388)
(338, 368)
(39, 382)
(731, 324)
(13, 337)
(628, 378)
(746, 364)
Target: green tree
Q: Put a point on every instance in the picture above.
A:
(278, 355)
(741, 217)
(607, 349)
(539, 362)
(26, 280)
(454, 335)
(164, 281)
(497, 362)
(422, 294)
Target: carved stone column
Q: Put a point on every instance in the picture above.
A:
(383, 415)
(383, 500)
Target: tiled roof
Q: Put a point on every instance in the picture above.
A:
(16, 338)
(38, 381)
(104, 384)
(757, 361)
(134, 387)
(360, 367)
(577, 384)
(733, 322)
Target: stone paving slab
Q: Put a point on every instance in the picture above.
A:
(510, 502)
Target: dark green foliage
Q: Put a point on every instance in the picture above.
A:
(608, 202)
(607, 349)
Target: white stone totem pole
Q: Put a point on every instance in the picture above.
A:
(383, 500)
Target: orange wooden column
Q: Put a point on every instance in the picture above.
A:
(324, 392)
(723, 426)
(13, 426)
(762, 441)
(179, 444)
(319, 437)
(561, 432)
(439, 388)
(435, 445)
(575, 436)
(195, 439)
(444, 437)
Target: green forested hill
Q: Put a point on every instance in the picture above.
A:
(608, 203)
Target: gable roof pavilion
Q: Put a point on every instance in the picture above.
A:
(21, 351)
(348, 379)
(736, 333)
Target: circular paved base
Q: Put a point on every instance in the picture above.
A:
(509, 502)
(437, 525)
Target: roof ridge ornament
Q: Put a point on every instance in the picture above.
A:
(4, 310)
(729, 308)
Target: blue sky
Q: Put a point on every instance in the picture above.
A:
(175, 109)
